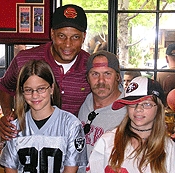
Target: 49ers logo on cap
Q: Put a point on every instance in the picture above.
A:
(70, 13)
(132, 87)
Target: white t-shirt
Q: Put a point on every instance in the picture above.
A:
(58, 143)
(67, 66)
(99, 157)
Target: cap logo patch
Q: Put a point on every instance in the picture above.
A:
(79, 144)
(155, 93)
(100, 64)
(132, 87)
(70, 13)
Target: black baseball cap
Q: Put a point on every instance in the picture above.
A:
(171, 50)
(69, 16)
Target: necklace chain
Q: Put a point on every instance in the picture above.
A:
(145, 130)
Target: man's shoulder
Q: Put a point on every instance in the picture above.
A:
(83, 54)
(36, 50)
(86, 107)
(80, 63)
(162, 75)
(88, 100)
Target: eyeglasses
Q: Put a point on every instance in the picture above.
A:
(40, 90)
(91, 117)
(143, 105)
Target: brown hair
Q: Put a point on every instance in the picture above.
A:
(43, 70)
(152, 149)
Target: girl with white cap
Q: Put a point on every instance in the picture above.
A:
(140, 143)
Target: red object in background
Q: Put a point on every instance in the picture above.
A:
(171, 100)
(10, 32)
(109, 170)
(8, 13)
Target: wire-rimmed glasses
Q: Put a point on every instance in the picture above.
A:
(143, 105)
(40, 90)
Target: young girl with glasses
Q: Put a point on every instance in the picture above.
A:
(140, 144)
(49, 139)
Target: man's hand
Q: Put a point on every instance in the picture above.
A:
(7, 129)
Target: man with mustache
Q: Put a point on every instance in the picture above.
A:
(96, 114)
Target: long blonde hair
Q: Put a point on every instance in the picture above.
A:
(43, 70)
(152, 151)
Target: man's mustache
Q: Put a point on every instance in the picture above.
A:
(101, 85)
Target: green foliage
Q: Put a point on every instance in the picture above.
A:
(96, 4)
(135, 53)
(96, 21)
(135, 57)
(76, 2)
(89, 4)
(137, 4)
(170, 1)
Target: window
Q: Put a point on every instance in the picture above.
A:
(7, 52)
(2, 59)
(138, 31)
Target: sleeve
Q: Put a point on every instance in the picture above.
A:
(9, 80)
(76, 150)
(9, 156)
(170, 158)
(97, 158)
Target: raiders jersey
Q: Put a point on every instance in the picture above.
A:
(59, 142)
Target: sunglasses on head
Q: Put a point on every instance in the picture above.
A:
(91, 117)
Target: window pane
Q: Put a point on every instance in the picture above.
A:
(96, 38)
(166, 30)
(137, 5)
(167, 6)
(2, 55)
(2, 59)
(136, 38)
(89, 4)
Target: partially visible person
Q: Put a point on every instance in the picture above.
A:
(2, 64)
(167, 79)
(96, 114)
(129, 76)
(49, 139)
(97, 43)
(140, 143)
(63, 54)
(17, 49)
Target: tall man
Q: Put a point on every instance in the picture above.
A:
(96, 114)
(63, 54)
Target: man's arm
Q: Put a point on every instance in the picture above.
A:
(9, 170)
(7, 130)
(70, 169)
